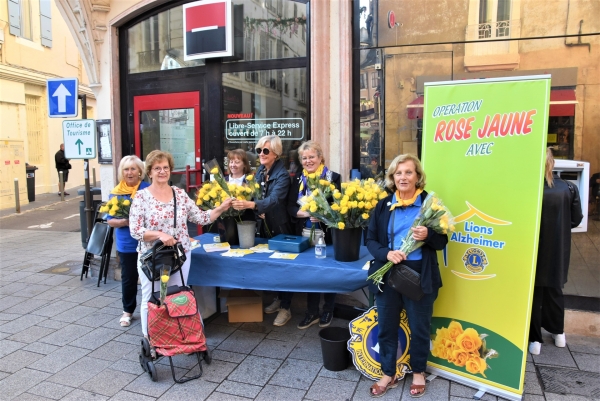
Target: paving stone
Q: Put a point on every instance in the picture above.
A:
(296, 373)
(31, 290)
(228, 356)
(84, 296)
(257, 327)
(361, 393)
(587, 362)
(350, 374)
(255, 370)
(181, 361)
(8, 347)
(100, 319)
(216, 396)
(532, 397)
(31, 334)
(463, 391)
(216, 334)
(273, 349)
(66, 334)
(278, 393)
(216, 372)
(55, 308)
(51, 390)
(113, 351)
(108, 382)
(281, 336)
(51, 324)
(17, 360)
(54, 280)
(565, 397)
(308, 349)
(123, 365)
(99, 301)
(239, 389)
(41, 348)
(12, 288)
(80, 371)
(532, 384)
(7, 317)
(585, 348)
(20, 382)
(143, 384)
(552, 355)
(241, 341)
(31, 397)
(130, 338)
(324, 388)
(60, 359)
(74, 314)
(55, 294)
(95, 338)
(529, 367)
(437, 389)
(79, 395)
(222, 320)
(23, 308)
(197, 390)
(21, 323)
(129, 396)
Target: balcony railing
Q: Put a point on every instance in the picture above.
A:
(493, 30)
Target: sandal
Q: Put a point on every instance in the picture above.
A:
(125, 320)
(377, 391)
(418, 390)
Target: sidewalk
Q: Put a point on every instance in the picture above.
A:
(43, 200)
(60, 339)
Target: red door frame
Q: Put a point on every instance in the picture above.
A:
(167, 101)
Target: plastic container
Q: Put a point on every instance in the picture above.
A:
(334, 347)
(320, 249)
(246, 233)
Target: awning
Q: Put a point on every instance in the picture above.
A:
(562, 103)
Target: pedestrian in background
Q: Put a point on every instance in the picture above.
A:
(561, 211)
(62, 164)
(130, 174)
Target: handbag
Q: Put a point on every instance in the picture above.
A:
(162, 257)
(403, 279)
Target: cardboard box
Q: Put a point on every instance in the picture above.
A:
(243, 305)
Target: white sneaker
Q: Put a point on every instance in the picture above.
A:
(274, 307)
(283, 317)
(560, 340)
(535, 348)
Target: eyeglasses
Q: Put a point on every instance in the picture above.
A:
(159, 169)
(264, 151)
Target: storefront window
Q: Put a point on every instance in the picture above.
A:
(260, 103)
(371, 118)
(264, 30)
(560, 137)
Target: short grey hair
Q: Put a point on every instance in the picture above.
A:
(133, 160)
(312, 145)
(389, 176)
(274, 142)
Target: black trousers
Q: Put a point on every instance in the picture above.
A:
(129, 280)
(314, 298)
(547, 311)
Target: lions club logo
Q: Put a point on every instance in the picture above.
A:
(475, 260)
(364, 346)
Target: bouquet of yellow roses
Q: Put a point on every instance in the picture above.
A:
(213, 167)
(433, 215)
(211, 195)
(116, 207)
(351, 207)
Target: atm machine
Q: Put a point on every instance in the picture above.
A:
(578, 173)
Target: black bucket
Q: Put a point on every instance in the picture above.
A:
(334, 348)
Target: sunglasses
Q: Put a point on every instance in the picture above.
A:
(264, 151)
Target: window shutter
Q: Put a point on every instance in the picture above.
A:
(14, 17)
(46, 22)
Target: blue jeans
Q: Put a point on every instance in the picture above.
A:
(129, 280)
(389, 306)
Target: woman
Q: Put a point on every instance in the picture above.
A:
(406, 178)
(238, 166)
(313, 162)
(561, 211)
(272, 208)
(131, 173)
(151, 219)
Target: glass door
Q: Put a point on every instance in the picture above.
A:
(171, 122)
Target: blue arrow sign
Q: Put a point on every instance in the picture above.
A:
(62, 97)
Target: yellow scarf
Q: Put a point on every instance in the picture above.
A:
(123, 189)
(405, 202)
(305, 173)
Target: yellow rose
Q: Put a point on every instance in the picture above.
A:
(337, 195)
(214, 170)
(438, 349)
(126, 202)
(313, 209)
(103, 209)
(206, 197)
(469, 341)
(212, 194)
(207, 185)
(324, 182)
(382, 195)
(341, 225)
(346, 198)
(256, 186)
(368, 206)
(112, 212)
(359, 196)
(315, 192)
(331, 186)
(217, 204)
(344, 184)
(374, 202)
(350, 191)
(313, 203)
(335, 207)
(365, 216)
(113, 201)
(476, 365)
(164, 278)
(249, 177)
(454, 329)
(312, 176)
(459, 357)
(305, 207)
(361, 204)
(344, 210)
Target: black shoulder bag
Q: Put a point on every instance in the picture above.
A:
(403, 279)
(162, 257)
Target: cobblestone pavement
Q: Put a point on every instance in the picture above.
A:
(60, 339)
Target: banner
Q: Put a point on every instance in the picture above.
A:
(484, 148)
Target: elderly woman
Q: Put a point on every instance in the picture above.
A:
(151, 218)
(131, 173)
(388, 226)
(313, 162)
(561, 211)
(272, 208)
(238, 166)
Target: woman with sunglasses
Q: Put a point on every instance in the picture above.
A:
(152, 218)
(272, 208)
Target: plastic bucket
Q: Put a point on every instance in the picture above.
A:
(334, 347)
(246, 233)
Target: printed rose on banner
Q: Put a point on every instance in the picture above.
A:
(463, 348)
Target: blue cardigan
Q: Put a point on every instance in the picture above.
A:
(377, 243)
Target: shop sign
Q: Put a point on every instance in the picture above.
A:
(484, 145)
(244, 129)
(207, 29)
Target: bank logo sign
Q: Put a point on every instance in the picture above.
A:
(207, 29)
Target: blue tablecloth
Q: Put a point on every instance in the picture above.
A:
(257, 271)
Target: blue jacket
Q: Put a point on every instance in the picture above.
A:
(377, 243)
(274, 204)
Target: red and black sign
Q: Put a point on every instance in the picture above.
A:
(207, 26)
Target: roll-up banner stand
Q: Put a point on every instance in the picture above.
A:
(484, 147)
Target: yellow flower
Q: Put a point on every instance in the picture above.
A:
(212, 194)
(361, 204)
(126, 202)
(344, 185)
(341, 225)
(469, 341)
(359, 196)
(315, 192)
(217, 204)
(214, 170)
(164, 278)
(305, 207)
(113, 201)
(368, 196)
(476, 365)
(249, 177)
(324, 182)
(374, 202)
(104, 209)
(350, 191)
(313, 204)
(331, 186)
(206, 197)
(112, 212)
(256, 186)
(454, 330)
(337, 195)
(207, 185)
(365, 216)
(313, 209)
(312, 176)
(335, 207)
(459, 357)
(344, 210)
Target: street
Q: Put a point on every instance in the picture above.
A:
(56, 216)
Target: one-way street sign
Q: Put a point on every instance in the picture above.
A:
(62, 97)
(79, 137)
